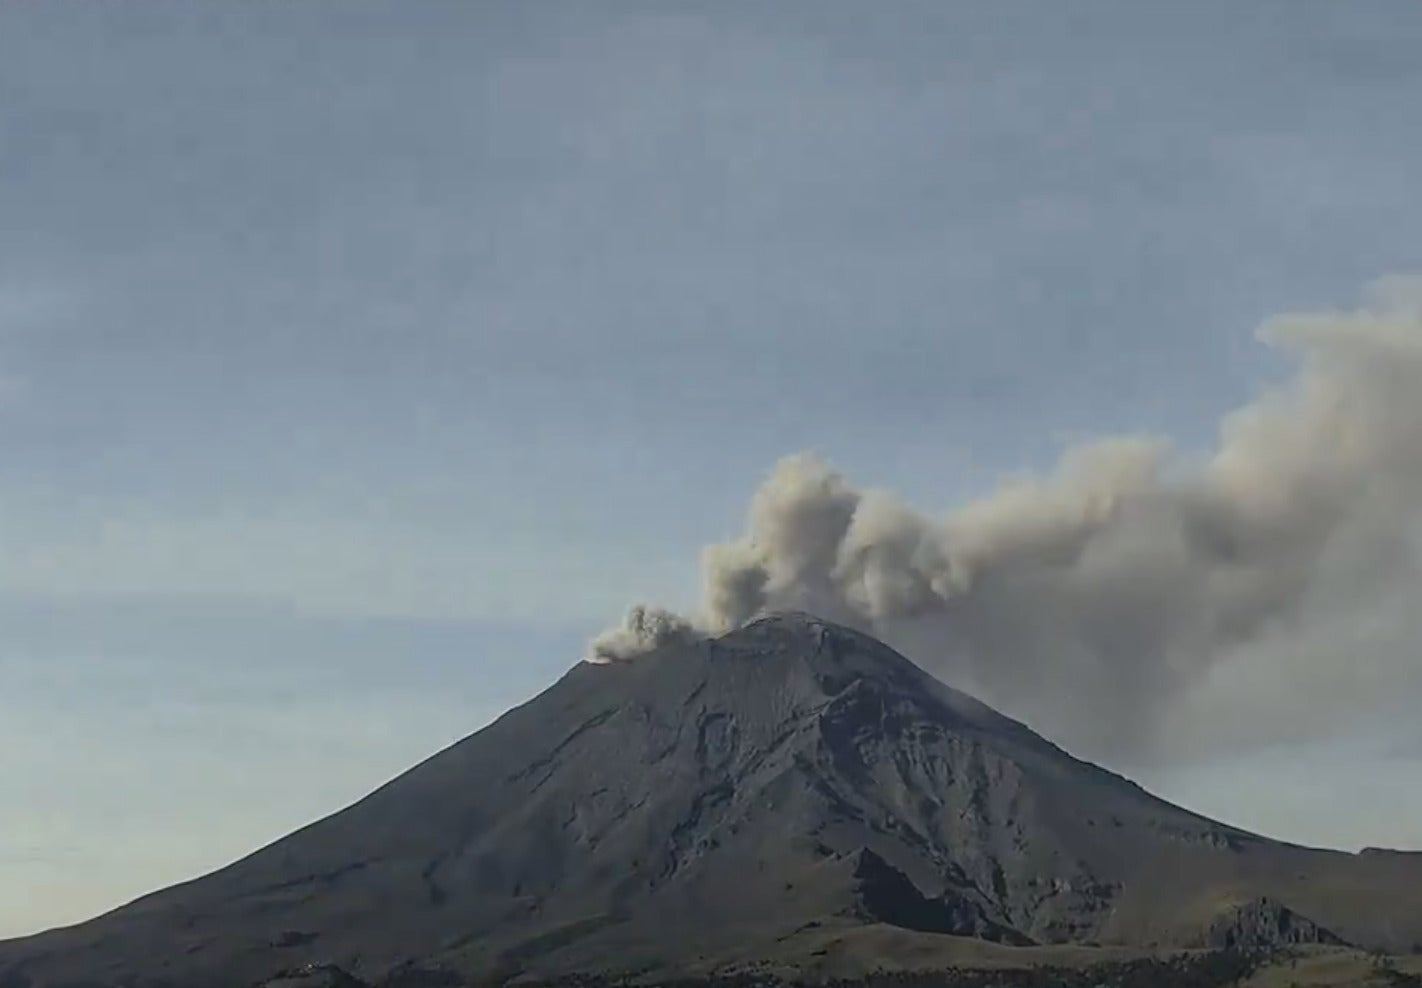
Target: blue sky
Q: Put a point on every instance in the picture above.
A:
(360, 360)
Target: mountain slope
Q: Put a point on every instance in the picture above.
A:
(710, 800)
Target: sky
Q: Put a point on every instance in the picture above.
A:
(359, 361)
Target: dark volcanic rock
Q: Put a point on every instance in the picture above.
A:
(711, 800)
(1263, 923)
(886, 895)
(315, 976)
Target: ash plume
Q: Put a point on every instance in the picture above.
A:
(1111, 601)
(644, 629)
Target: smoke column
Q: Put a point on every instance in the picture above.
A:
(1100, 601)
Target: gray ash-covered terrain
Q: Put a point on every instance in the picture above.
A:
(793, 793)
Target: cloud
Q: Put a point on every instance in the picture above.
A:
(1112, 601)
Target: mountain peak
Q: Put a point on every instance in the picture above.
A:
(805, 638)
(716, 798)
(801, 626)
(793, 620)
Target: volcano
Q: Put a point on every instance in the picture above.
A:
(780, 792)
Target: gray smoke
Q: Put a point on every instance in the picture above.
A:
(644, 629)
(1100, 602)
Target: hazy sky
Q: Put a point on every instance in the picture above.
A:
(357, 361)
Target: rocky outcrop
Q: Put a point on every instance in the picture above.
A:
(1264, 923)
(314, 976)
(886, 895)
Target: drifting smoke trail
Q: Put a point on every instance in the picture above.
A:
(1097, 598)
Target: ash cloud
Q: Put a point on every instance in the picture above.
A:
(1135, 599)
(644, 629)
